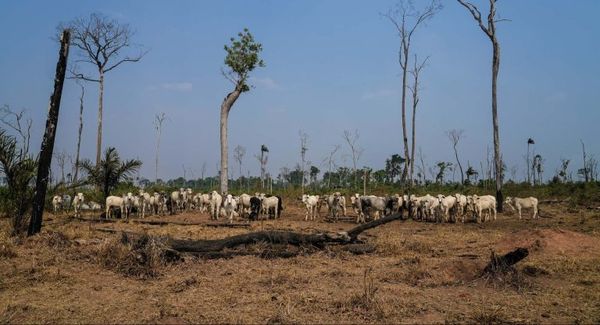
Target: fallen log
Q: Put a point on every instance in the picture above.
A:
(234, 245)
(505, 262)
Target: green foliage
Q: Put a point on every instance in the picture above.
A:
(242, 57)
(20, 170)
(110, 172)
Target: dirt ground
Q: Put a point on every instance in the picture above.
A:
(420, 273)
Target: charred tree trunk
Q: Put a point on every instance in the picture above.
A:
(45, 160)
(497, 155)
(100, 109)
(505, 262)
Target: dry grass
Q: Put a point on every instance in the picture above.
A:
(419, 273)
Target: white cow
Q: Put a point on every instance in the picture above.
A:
(310, 201)
(461, 205)
(176, 201)
(335, 202)
(77, 202)
(485, 203)
(521, 203)
(271, 202)
(57, 202)
(145, 199)
(244, 205)
(115, 201)
(229, 205)
(215, 205)
(94, 206)
(446, 206)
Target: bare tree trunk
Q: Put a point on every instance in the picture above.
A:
(76, 173)
(528, 165)
(225, 108)
(497, 155)
(407, 161)
(100, 109)
(585, 167)
(462, 175)
(45, 160)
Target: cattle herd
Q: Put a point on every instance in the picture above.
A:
(440, 208)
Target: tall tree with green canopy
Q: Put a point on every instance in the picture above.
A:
(242, 58)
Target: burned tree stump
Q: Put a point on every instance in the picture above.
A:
(504, 263)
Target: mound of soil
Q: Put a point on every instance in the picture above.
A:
(551, 242)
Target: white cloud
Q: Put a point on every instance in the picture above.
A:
(177, 86)
(382, 93)
(266, 83)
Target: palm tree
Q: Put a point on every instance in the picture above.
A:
(110, 171)
(20, 170)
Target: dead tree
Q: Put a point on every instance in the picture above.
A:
(586, 174)
(454, 136)
(20, 124)
(45, 158)
(355, 150)
(330, 162)
(101, 42)
(159, 119)
(530, 141)
(406, 19)
(263, 158)
(79, 132)
(490, 32)
(238, 154)
(414, 89)
(303, 150)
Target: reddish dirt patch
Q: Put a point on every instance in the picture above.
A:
(551, 242)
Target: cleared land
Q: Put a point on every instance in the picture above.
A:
(420, 272)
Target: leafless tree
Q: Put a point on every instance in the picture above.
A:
(159, 119)
(20, 124)
(203, 170)
(423, 170)
(586, 169)
(79, 132)
(530, 141)
(61, 160)
(238, 155)
(303, 150)
(329, 161)
(490, 31)
(406, 19)
(101, 42)
(414, 89)
(356, 151)
(455, 136)
(263, 158)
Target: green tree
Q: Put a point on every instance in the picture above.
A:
(20, 170)
(242, 58)
(110, 171)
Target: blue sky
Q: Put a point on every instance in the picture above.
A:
(330, 66)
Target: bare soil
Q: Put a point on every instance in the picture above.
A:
(420, 273)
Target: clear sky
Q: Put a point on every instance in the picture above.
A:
(330, 65)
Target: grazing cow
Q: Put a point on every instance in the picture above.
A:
(310, 201)
(215, 205)
(145, 199)
(244, 204)
(57, 203)
(77, 202)
(521, 203)
(393, 204)
(485, 203)
(446, 206)
(255, 207)
(372, 206)
(66, 199)
(94, 206)
(272, 203)
(229, 206)
(335, 203)
(116, 202)
(461, 205)
(176, 201)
